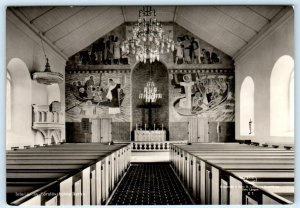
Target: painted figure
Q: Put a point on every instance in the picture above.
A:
(186, 49)
(179, 50)
(195, 51)
(113, 93)
(117, 50)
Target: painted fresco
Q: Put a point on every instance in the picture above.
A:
(211, 94)
(202, 95)
(97, 95)
(189, 49)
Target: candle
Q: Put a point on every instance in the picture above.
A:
(136, 126)
(145, 126)
(162, 127)
(154, 127)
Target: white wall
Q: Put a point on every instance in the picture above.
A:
(258, 64)
(23, 44)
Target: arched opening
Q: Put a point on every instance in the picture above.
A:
(20, 103)
(282, 97)
(53, 92)
(160, 108)
(247, 107)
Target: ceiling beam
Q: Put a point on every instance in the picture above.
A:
(123, 12)
(37, 17)
(175, 14)
(54, 26)
(259, 14)
(35, 31)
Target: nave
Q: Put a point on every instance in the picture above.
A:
(150, 184)
(100, 99)
(198, 173)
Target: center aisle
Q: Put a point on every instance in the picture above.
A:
(149, 184)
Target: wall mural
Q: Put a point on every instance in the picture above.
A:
(106, 95)
(189, 49)
(202, 95)
(93, 95)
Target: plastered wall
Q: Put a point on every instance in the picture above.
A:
(258, 64)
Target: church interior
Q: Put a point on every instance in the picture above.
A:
(150, 105)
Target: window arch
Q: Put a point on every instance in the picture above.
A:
(282, 97)
(21, 109)
(247, 107)
(8, 100)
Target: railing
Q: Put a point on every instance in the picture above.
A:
(43, 115)
(153, 146)
(48, 119)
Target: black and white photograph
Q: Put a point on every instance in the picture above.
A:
(149, 105)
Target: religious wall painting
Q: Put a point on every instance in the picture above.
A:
(97, 95)
(110, 49)
(203, 95)
(189, 50)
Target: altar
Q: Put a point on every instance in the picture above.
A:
(150, 135)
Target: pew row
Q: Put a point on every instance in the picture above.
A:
(232, 173)
(67, 174)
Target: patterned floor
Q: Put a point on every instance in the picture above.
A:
(150, 184)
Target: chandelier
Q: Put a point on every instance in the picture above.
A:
(150, 93)
(148, 39)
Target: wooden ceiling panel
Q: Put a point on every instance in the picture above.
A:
(105, 22)
(55, 17)
(245, 16)
(76, 22)
(213, 16)
(227, 28)
(32, 13)
(202, 32)
(266, 11)
(113, 23)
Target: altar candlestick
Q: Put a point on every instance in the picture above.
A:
(162, 127)
(136, 126)
(145, 126)
(154, 127)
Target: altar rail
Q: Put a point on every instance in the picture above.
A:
(138, 146)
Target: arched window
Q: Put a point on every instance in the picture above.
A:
(20, 104)
(247, 107)
(282, 97)
(8, 101)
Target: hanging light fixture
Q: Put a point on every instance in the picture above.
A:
(148, 40)
(47, 76)
(150, 94)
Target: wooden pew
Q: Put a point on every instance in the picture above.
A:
(210, 161)
(55, 162)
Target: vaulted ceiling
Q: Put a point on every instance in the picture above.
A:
(70, 29)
